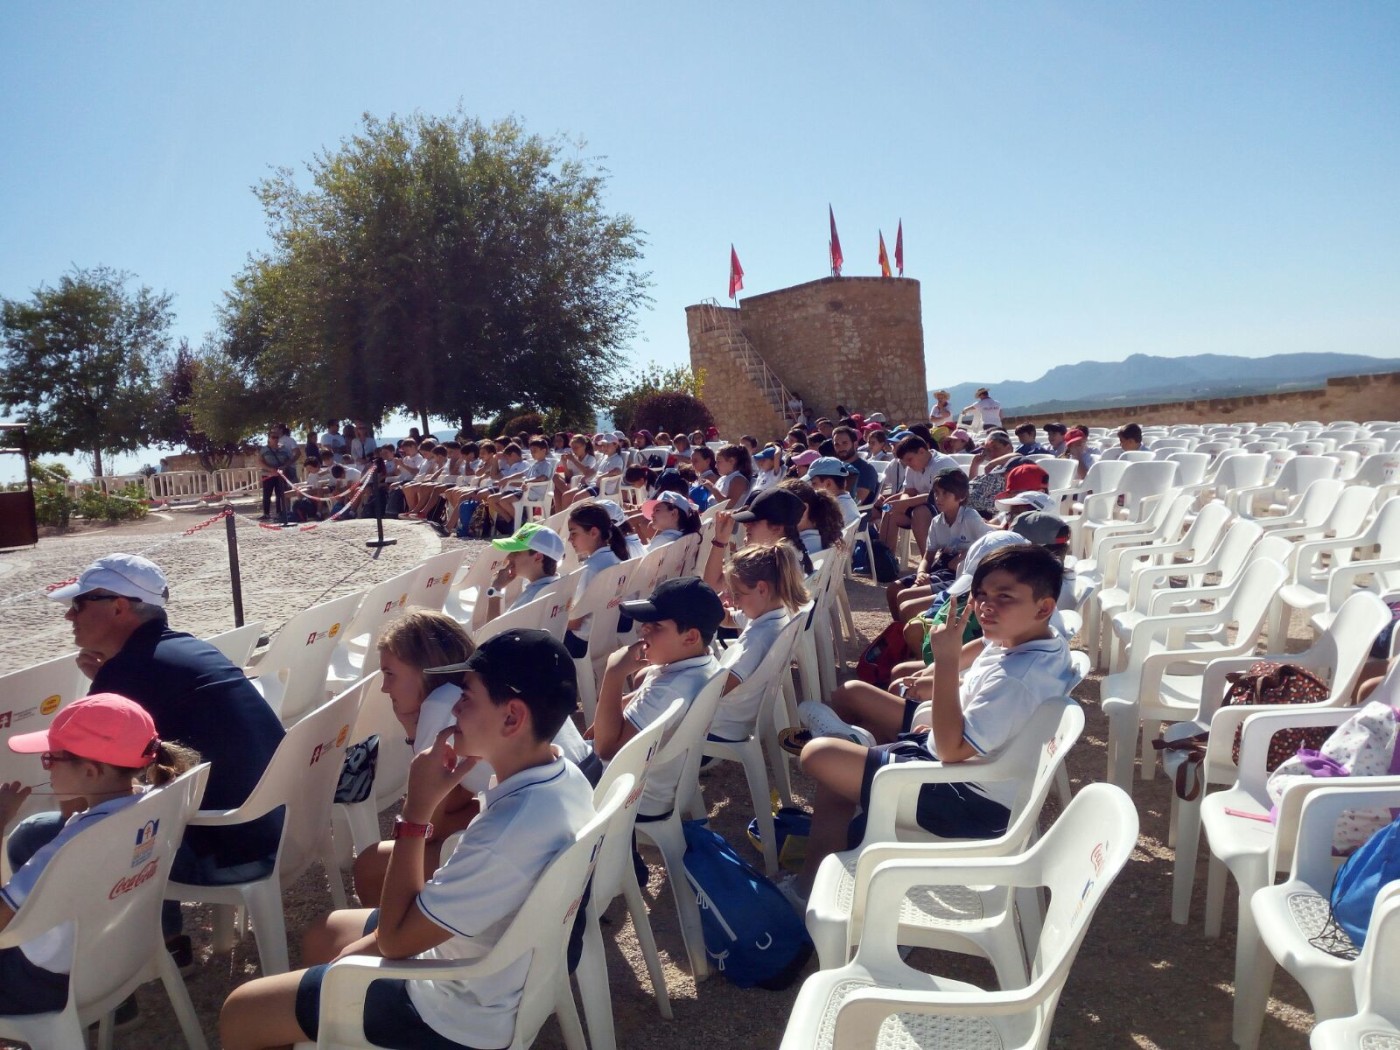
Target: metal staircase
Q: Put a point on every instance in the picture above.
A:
(720, 319)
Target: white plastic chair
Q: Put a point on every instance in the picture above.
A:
(540, 930)
(600, 600)
(463, 602)
(1060, 472)
(876, 993)
(112, 896)
(1288, 916)
(837, 909)
(1283, 489)
(1231, 471)
(356, 653)
(1135, 700)
(433, 579)
(1101, 476)
(1337, 657)
(1328, 508)
(292, 673)
(536, 501)
(549, 611)
(238, 643)
(301, 777)
(34, 696)
(361, 819)
(685, 745)
(616, 874)
(1125, 502)
(1376, 1023)
(766, 683)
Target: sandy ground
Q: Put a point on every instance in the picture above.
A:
(1139, 980)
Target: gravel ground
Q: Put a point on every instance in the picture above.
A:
(1139, 980)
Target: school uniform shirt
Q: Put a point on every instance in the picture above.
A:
(436, 714)
(53, 949)
(525, 823)
(614, 464)
(959, 535)
(812, 541)
(602, 558)
(999, 692)
(921, 481)
(571, 471)
(533, 590)
(735, 721)
(725, 481)
(664, 537)
(513, 470)
(635, 547)
(659, 689)
(849, 511)
(537, 469)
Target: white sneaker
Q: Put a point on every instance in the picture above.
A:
(821, 720)
(787, 886)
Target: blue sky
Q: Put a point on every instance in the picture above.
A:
(1076, 180)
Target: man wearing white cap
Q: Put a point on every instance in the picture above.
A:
(195, 696)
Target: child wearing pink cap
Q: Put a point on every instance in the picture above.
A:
(94, 751)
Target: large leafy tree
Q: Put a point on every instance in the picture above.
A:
(441, 266)
(80, 362)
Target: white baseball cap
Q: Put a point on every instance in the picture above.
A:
(992, 541)
(1029, 498)
(128, 575)
(675, 499)
(615, 513)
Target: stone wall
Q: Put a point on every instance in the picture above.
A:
(1356, 398)
(855, 341)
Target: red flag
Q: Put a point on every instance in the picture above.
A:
(884, 257)
(736, 273)
(899, 249)
(836, 258)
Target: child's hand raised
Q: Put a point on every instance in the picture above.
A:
(432, 774)
(12, 796)
(724, 526)
(945, 642)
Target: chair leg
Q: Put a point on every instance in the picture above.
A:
(669, 839)
(225, 935)
(1254, 976)
(641, 925)
(778, 762)
(1062, 786)
(1188, 841)
(337, 882)
(1122, 742)
(751, 755)
(1147, 768)
(1217, 875)
(105, 1027)
(592, 977)
(264, 903)
(587, 689)
(567, 1013)
(180, 1001)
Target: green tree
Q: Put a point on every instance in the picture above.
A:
(653, 379)
(441, 266)
(80, 360)
(176, 426)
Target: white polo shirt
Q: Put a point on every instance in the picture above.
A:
(660, 687)
(524, 824)
(738, 710)
(662, 538)
(999, 692)
(602, 558)
(532, 590)
(957, 537)
(849, 511)
(538, 468)
(921, 481)
(53, 950)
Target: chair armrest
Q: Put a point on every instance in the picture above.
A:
(1260, 727)
(1224, 721)
(1342, 579)
(892, 783)
(1163, 600)
(1309, 838)
(1156, 626)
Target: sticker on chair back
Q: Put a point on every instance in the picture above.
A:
(130, 883)
(145, 843)
(50, 704)
(330, 745)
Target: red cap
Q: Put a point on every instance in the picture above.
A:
(1077, 434)
(103, 727)
(1028, 477)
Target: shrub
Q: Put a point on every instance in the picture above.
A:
(671, 411)
(514, 420)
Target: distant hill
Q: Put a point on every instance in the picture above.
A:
(1144, 379)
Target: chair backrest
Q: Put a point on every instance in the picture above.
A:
(610, 487)
(376, 716)
(302, 776)
(433, 579)
(1240, 472)
(381, 603)
(292, 673)
(1102, 476)
(1248, 601)
(536, 500)
(1382, 468)
(1301, 471)
(686, 741)
(1190, 466)
(1144, 478)
(464, 602)
(1138, 455)
(1339, 654)
(601, 600)
(1347, 462)
(237, 644)
(766, 681)
(109, 882)
(1316, 503)
(548, 611)
(1059, 471)
(632, 759)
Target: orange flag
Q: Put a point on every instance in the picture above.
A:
(736, 274)
(884, 257)
(899, 248)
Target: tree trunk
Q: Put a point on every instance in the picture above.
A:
(423, 418)
(97, 462)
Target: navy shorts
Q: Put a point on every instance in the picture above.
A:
(950, 811)
(29, 989)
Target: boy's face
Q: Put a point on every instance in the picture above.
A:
(917, 460)
(1007, 610)
(478, 719)
(538, 452)
(666, 642)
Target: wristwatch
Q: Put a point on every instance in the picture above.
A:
(492, 592)
(407, 829)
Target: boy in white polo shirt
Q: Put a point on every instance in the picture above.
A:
(519, 688)
(533, 555)
(908, 508)
(1023, 662)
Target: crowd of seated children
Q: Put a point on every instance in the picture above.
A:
(1021, 663)
(500, 505)
(954, 528)
(1026, 443)
(775, 515)
(518, 690)
(578, 463)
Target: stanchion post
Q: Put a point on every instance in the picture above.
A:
(234, 577)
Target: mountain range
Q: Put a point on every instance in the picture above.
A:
(1144, 379)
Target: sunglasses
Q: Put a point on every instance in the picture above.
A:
(82, 599)
(48, 758)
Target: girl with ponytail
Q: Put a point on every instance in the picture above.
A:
(599, 545)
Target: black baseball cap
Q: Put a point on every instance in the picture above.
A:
(526, 662)
(688, 600)
(776, 506)
(1042, 529)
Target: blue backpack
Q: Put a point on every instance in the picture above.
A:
(1361, 879)
(752, 935)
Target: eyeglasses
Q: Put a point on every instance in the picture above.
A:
(78, 601)
(48, 758)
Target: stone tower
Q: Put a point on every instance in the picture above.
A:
(854, 341)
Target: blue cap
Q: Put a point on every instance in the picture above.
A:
(766, 453)
(830, 467)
